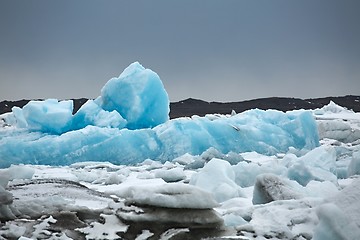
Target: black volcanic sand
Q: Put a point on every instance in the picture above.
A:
(190, 107)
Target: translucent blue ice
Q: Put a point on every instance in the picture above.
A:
(136, 99)
(138, 95)
(266, 132)
(49, 116)
(129, 123)
(91, 114)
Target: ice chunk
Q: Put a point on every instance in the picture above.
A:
(198, 223)
(170, 195)
(18, 172)
(31, 198)
(233, 220)
(218, 178)
(91, 114)
(185, 159)
(334, 224)
(318, 164)
(290, 219)
(323, 157)
(170, 175)
(324, 189)
(190, 217)
(348, 200)
(246, 173)
(354, 166)
(138, 95)
(114, 178)
(303, 173)
(50, 116)
(231, 157)
(269, 187)
(339, 130)
(6, 198)
(20, 120)
(266, 132)
(332, 108)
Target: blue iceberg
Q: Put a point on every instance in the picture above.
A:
(49, 116)
(138, 95)
(129, 123)
(92, 114)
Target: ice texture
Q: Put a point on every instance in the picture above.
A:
(354, 166)
(32, 198)
(318, 164)
(334, 224)
(348, 201)
(136, 99)
(269, 187)
(92, 114)
(129, 123)
(246, 172)
(258, 174)
(138, 95)
(266, 132)
(49, 116)
(169, 195)
(218, 178)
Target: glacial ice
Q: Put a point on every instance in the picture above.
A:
(49, 116)
(136, 99)
(260, 173)
(218, 178)
(92, 114)
(169, 195)
(266, 132)
(318, 164)
(347, 200)
(129, 123)
(354, 166)
(334, 224)
(270, 187)
(138, 95)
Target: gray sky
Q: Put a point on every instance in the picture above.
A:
(212, 50)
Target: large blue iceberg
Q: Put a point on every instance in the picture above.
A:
(138, 95)
(136, 99)
(134, 126)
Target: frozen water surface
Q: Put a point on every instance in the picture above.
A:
(120, 169)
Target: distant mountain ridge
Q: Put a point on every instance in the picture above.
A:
(190, 106)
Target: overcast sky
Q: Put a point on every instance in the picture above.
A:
(211, 50)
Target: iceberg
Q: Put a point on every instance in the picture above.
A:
(92, 114)
(124, 170)
(248, 131)
(136, 99)
(138, 95)
(129, 123)
(49, 116)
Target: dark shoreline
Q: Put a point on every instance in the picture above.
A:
(190, 107)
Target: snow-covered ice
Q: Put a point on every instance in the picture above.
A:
(120, 169)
